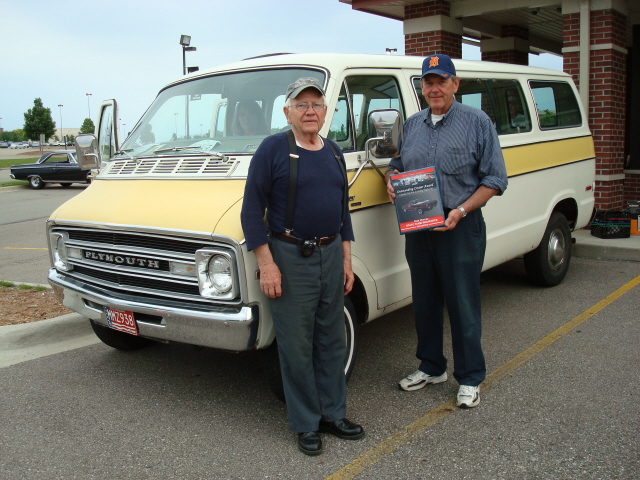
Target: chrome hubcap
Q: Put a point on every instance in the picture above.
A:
(556, 250)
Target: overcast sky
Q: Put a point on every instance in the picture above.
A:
(127, 50)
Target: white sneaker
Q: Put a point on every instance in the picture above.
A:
(468, 396)
(419, 379)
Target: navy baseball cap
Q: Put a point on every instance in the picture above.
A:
(439, 64)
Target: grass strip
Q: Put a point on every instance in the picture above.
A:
(7, 162)
(13, 183)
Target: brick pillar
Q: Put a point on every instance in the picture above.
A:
(512, 47)
(607, 93)
(429, 29)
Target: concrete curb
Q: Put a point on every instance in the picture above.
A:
(28, 341)
(622, 249)
(11, 189)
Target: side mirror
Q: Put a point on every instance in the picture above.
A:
(87, 151)
(385, 132)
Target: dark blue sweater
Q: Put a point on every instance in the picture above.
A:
(318, 209)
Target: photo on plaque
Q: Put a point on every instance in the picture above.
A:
(418, 203)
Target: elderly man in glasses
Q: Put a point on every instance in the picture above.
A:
(304, 257)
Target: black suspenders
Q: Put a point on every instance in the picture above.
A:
(293, 181)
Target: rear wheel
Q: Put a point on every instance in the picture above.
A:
(271, 362)
(548, 264)
(65, 185)
(36, 182)
(119, 340)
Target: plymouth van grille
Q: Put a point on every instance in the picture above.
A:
(136, 264)
(163, 167)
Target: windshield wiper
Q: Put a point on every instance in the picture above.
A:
(125, 152)
(176, 149)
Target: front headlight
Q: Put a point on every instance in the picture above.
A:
(59, 251)
(220, 273)
(216, 274)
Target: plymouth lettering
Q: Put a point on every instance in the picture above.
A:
(122, 259)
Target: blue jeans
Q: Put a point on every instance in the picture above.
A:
(309, 323)
(445, 267)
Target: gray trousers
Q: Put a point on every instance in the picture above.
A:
(309, 324)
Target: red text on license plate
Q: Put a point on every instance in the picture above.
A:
(121, 320)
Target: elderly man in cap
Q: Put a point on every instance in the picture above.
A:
(304, 257)
(445, 263)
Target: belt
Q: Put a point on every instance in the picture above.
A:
(320, 242)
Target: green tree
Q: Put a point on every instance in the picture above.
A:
(12, 136)
(147, 136)
(87, 126)
(548, 118)
(38, 120)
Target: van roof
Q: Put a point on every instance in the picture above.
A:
(342, 61)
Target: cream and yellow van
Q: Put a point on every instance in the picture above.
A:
(154, 249)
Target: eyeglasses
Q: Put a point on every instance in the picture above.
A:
(303, 107)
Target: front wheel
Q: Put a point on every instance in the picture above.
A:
(119, 340)
(271, 363)
(548, 264)
(36, 182)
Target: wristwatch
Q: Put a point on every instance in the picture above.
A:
(461, 208)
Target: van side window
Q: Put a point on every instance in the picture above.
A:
(511, 112)
(556, 104)
(502, 100)
(363, 94)
(341, 129)
(416, 84)
(475, 93)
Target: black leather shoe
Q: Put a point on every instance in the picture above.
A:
(342, 429)
(310, 443)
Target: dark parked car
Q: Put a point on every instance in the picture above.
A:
(59, 166)
(420, 206)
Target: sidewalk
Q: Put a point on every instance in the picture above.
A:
(588, 246)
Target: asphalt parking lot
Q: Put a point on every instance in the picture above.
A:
(559, 401)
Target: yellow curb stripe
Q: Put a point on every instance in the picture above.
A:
(22, 248)
(404, 435)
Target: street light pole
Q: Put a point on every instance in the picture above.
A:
(61, 124)
(185, 41)
(88, 106)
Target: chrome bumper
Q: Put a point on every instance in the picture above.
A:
(228, 329)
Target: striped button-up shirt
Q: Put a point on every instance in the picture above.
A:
(463, 147)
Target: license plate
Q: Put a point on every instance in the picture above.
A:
(121, 320)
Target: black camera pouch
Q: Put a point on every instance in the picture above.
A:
(308, 246)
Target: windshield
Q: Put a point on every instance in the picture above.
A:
(228, 113)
